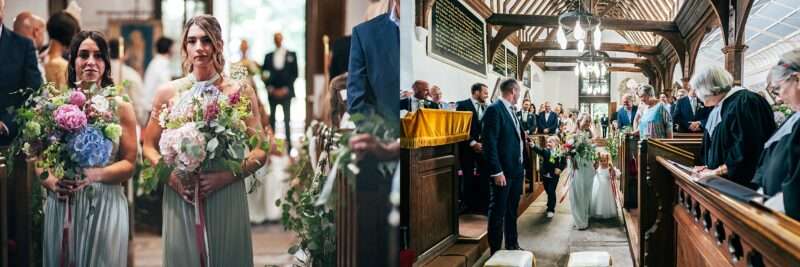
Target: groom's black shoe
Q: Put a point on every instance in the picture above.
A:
(516, 248)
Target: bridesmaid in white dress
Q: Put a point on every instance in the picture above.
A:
(603, 204)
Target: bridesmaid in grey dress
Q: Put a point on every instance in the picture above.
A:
(227, 227)
(99, 210)
(580, 195)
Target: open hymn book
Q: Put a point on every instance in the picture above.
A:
(733, 190)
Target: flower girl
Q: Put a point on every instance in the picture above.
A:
(603, 203)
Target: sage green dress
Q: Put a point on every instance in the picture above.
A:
(227, 222)
(99, 235)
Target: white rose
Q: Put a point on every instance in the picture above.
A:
(100, 103)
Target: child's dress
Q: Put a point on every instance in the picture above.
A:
(603, 203)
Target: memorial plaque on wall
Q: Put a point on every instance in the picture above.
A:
(457, 35)
(499, 61)
(511, 64)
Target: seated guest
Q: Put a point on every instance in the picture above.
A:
(420, 96)
(548, 120)
(475, 192)
(778, 173)
(527, 118)
(655, 122)
(626, 113)
(737, 128)
(436, 97)
(690, 114)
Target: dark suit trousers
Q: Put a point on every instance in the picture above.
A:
(286, 104)
(550, 185)
(475, 186)
(372, 214)
(503, 213)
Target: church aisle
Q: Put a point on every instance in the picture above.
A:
(552, 240)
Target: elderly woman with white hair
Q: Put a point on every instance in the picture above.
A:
(737, 128)
(778, 172)
(654, 119)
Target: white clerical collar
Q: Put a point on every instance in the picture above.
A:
(785, 130)
(716, 114)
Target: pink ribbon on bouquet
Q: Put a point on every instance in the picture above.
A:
(65, 261)
(200, 226)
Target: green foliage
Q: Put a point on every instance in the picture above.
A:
(312, 223)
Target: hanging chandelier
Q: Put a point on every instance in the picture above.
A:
(592, 69)
(583, 25)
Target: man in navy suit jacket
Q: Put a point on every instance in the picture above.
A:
(281, 69)
(19, 69)
(548, 120)
(690, 114)
(503, 149)
(373, 88)
(627, 112)
(475, 192)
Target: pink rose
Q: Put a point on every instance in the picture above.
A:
(211, 111)
(235, 98)
(183, 148)
(70, 117)
(77, 98)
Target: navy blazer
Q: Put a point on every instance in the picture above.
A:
(501, 142)
(548, 168)
(548, 121)
(623, 119)
(475, 127)
(531, 124)
(19, 69)
(683, 115)
(373, 84)
(283, 77)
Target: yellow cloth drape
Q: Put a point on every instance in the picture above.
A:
(434, 127)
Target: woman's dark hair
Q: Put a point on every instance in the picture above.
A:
(62, 27)
(98, 38)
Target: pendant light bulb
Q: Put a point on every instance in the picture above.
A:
(580, 46)
(579, 33)
(561, 37)
(597, 38)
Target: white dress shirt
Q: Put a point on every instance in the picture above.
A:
(156, 74)
(279, 58)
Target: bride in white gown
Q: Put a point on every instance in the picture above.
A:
(603, 203)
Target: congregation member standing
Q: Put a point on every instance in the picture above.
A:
(419, 99)
(19, 70)
(280, 67)
(548, 120)
(528, 118)
(157, 73)
(627, 112)
(690, 114)
(475, 184)
(504, 141)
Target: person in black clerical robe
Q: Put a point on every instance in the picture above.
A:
(778, 172)
(737, 128)
(474, 191)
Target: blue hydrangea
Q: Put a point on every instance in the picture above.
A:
(90, 148)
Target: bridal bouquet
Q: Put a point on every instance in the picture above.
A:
(579, 145)
(68, 131)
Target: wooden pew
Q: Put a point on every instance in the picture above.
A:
(628, 153)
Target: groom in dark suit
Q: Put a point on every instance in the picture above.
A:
(19, 69)
(503, 147)
(373, 88)
(475, 183)
(690, 114)
(281, 72)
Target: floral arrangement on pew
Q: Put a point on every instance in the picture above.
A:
(314, 224)
(66, 132)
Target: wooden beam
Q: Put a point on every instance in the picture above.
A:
(569, 59)
(498, 39)
(611, 69)
(608, 23)
(616, 47)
